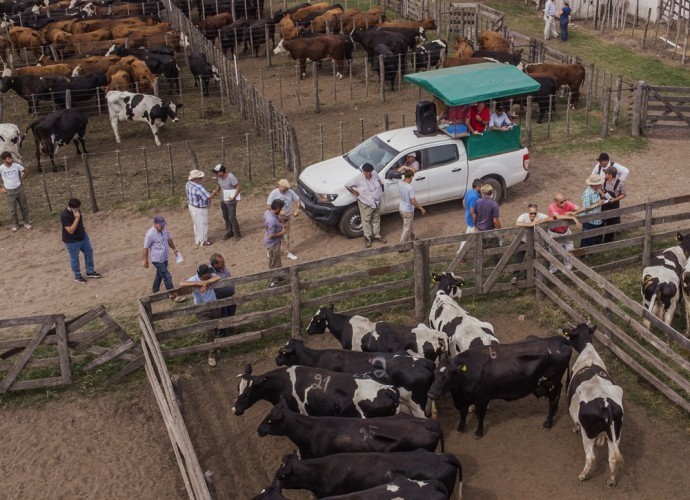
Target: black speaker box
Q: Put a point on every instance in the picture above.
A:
(426, 117)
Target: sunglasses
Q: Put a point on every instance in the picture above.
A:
(533, 213)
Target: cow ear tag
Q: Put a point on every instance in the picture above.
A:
(464, 368)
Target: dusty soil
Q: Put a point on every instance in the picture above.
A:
(114, 445)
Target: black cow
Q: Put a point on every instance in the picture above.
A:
(82, 88)
(202, 70)
(369, 39)
(391, 63)
(321, 436)
(594, 401)
(413, 376)
(32, 88)
(502, 57)
(349, 472)
(282, 13)
(541, 97)
(430, 55)
(412, 36)
(316, 392)
(399, 487)
(57, 129)
(232, 35)
(358, 333)
(503, 371)
(259, 32)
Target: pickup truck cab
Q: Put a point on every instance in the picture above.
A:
(447, 168)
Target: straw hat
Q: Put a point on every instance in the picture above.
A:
(595, 180)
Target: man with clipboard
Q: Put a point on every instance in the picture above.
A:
(230, 186)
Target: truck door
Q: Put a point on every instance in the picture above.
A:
(445, 170)
(391, 191)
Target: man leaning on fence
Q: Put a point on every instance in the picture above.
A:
(202, 295)
(561, 209)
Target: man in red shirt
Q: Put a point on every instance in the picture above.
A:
(478, 118)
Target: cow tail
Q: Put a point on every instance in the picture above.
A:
(30, 127)
(611, 433)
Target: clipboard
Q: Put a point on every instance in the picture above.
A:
(229, 193)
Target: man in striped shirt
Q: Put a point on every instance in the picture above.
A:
(198, 200)
(156, 243)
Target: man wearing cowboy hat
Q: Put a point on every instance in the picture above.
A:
(198, 200)
(591, 204)
(291, 208)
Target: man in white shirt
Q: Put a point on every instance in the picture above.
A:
(550, 20)
(529, 219)
(604, 162)
(228, 183)
(291, 204)
(499, 120)
(13, 174)
(407, 205)
(368, 188)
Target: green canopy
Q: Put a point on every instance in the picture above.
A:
(474, 82)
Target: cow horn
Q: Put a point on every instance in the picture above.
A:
(589, 322)
(572, 326)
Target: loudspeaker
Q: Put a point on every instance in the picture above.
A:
(426, 117)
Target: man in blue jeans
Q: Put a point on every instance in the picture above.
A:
(76, 240)
(156, 243)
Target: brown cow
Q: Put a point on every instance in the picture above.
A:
(120, 80)
(124, 31)
(170, 38)
(328, 21)
(427, 24)
(88, 25)
(571, 75)
(490, 40)
(361, 22)
(287, 29)
(317, 48)
(63, 24)
(347, 15)
(53, 69)
(138, 71)
(84, 42)
(452, 62)
(462, 48)
(27, 38)
(305, 11)
(122, 8)
(209, 27)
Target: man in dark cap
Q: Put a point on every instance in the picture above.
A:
(156, 243)
(368, 188)
(203, 294)
(604, 162)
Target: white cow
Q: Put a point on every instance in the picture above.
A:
(149, 109)
(464, 330)
(10, 138)
(661, 281)
(595, 403)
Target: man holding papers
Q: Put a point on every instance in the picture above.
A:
(230, 187)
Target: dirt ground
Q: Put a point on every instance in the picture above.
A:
(114, 445)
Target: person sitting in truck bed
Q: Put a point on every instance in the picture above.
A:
(499, 120)
(411, 164)
(478, 118)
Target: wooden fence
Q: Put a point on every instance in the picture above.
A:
(89, 340)
(661, 108)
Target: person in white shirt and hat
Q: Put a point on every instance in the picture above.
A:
(604, 162)
(198, 201)
(291, 208)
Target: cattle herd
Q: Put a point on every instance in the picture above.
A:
(358, 416)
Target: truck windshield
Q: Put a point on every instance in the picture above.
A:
(373, 151)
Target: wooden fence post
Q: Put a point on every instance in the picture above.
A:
(89, 183)
(421, 279)
(317, 105)
(606, 104)
(617, 105)
(637, 111)
(146, 174)
(528, 122)
(382, 80)
(296, 305)
(647, 244)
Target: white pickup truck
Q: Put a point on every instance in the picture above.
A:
(447, 168)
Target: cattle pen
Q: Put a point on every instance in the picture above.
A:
(379, 280)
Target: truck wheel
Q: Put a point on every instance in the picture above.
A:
(350, 223)
(497, 188)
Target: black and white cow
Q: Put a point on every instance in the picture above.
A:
(661, 281)
(685, 287)
(399, 487)
(594, 401)
(430, 55)
(58, 129)
(503, 371)
(412, 376)
(149, 109)
(349, 472)
(316, 392)
(321, 436)
(358, 333)
(10, 140)
(463, 330)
